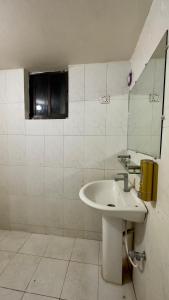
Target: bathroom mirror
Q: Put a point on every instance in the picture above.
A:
(146, 104)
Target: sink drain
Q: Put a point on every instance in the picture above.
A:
(111, 205)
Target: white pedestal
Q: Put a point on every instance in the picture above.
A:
(112, 249)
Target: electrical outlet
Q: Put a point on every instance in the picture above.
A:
(154, 98)
(104, 100)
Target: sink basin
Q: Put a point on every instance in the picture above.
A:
(108, 197)
(115, 205)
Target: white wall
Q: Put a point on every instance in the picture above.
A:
(152, 237)
(43, 163)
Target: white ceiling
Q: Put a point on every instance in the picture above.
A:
(46, 34)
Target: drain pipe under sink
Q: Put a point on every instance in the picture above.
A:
(140, 257)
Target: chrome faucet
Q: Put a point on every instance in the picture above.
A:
(123, 177)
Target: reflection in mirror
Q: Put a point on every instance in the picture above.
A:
(146, 105)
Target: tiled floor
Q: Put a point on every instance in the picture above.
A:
(45, 267)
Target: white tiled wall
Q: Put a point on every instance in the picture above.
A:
(153, 236)
(44, 163)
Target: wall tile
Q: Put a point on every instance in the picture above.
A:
(16, 149)
(76, 83)
(114, 146)
(34, 180)
(73, 181)
(73, 151)
(117, 78)
(17, 180)
(117, 117)
(92, 235)
(92, 175)
(15, 118)
(34, 127)
(36, 211)
(53, 127)
(109, 174)
(3, 86)
(95, 81)
(53, 180)
(73, 215)
(3, 118)
(95, 118)
(17, 209)
(35, 150)
(4, 182)
(54, 209)
(15, 86)
(95, 152)
(4, 206)
(92, 219)
(3, 149)
(44, 127)
(74, 124)
(53, 151)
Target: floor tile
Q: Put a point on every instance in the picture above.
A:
(6, 294)
(86, 251)
(100, 253)
(36, 297)
(110, 291)
(13, 240)
(48, 278)
(81, 282)
(19, 272)
(60, 247)
(5, 258)
(36, 244)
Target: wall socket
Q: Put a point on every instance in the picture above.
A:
(104, 99)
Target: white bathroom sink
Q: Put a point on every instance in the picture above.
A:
(108, 197)
(115, 205)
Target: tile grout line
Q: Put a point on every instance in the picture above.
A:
(51, 135)
(29, 236)
(12, 289)
(48, 243)
(67, 269)
(23, 296)
(40, 259)
(50, 297)
(43, 170)
(14, 255)
(25, 292)
(134, 289)
(106, 112)
(56, 258)
(51, 166)
(58, 228)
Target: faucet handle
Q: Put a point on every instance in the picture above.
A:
(134, 167)
(124, 174)
(124, 156)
